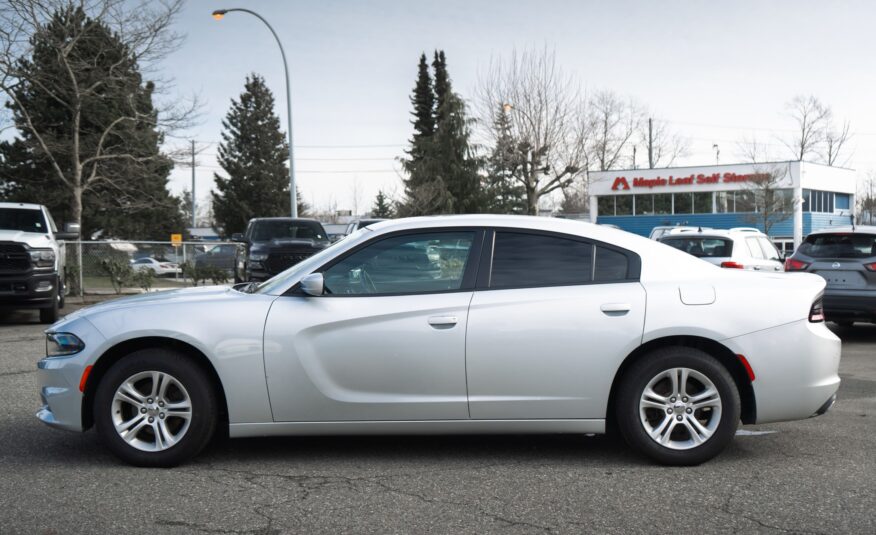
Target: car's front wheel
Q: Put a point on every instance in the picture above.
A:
(155, 407)
(678, 405)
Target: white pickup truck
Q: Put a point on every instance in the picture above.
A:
(32, 259)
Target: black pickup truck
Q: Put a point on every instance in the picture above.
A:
(273, 244)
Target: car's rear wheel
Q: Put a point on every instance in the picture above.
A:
(678, 405)
(155, 407)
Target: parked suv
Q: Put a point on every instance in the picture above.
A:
(739, 248)
(32, 259)
(273, 244)
(846, 258)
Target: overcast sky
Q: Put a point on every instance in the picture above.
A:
(718, 71)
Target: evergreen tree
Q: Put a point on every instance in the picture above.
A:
(443, 172)
(103, 167)
(253, 153)
(503, 194)
(382, 206)
(425, 192)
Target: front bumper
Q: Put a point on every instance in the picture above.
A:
(59, 378)
(796, 369)
(23, 291)
(850, 305)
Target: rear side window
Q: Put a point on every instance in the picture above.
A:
(769, 250)
(610, 265)
(754, 247)
(521, 260)
(839, 246)
(702, 247)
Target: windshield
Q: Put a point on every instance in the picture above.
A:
(303, 230)
(702, 247)
(280, 281)
(22, 219)
(839, 246)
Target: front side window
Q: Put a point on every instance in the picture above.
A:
(410, 264)
(527, 260)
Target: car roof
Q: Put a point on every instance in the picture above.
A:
(719, 232)
(292, 219)
(26, 205)
(848, 229)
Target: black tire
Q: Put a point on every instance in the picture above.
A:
(49, 314)
(62, 293)
(632, 387)
(194, 379)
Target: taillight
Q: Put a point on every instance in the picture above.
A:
(792, 264)
(732, 265)
(871, 266)
(816, 313)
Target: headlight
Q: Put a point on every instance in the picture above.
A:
(62, 344)
(42, 258)
(258, 257)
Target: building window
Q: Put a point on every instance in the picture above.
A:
(644, 204)
(745, 201)
(724, 202)
(662, 203)
(806, 204)
(624, 205)
(702, 203)
(606, 205)
(683, 203)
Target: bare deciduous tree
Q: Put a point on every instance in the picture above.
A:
(615, 121)
(812, 120)
(835, 140)
(767, 197)
(78, 157)
(752, 150)
(549, 127)
(866, 199)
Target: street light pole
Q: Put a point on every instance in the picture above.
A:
(293, 194)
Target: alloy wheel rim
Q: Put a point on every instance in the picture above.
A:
(680, 408)
(151, 411)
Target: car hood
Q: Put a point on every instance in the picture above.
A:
(32, 239)
(184, 295)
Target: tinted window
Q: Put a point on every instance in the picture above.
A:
(702, 247)
(417, 263)
(305, 230)
(537, 260)
(839, 246)
(23, 219)
(610, 265)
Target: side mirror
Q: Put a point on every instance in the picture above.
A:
(313, 284)
(71, 232)
(237, 237)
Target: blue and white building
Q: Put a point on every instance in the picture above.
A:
(719, 196)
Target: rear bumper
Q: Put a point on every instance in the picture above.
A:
(795, 367)
(847, 305)
(23, 291)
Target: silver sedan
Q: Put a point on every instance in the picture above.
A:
(469, 324)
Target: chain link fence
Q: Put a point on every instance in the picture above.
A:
(123, 267)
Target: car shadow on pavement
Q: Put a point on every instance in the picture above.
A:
(859, 332)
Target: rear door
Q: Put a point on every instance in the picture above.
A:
(550, 322)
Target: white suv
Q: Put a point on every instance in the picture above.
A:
(739, 248)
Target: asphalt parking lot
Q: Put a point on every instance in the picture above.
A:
(813, 476)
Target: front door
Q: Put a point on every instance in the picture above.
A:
(386, 341)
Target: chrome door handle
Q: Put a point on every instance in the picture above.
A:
(615, 308)
(756, 268)
(443, 321)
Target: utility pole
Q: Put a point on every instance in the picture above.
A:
(717, 154)
(194, 211)
(650, 145)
